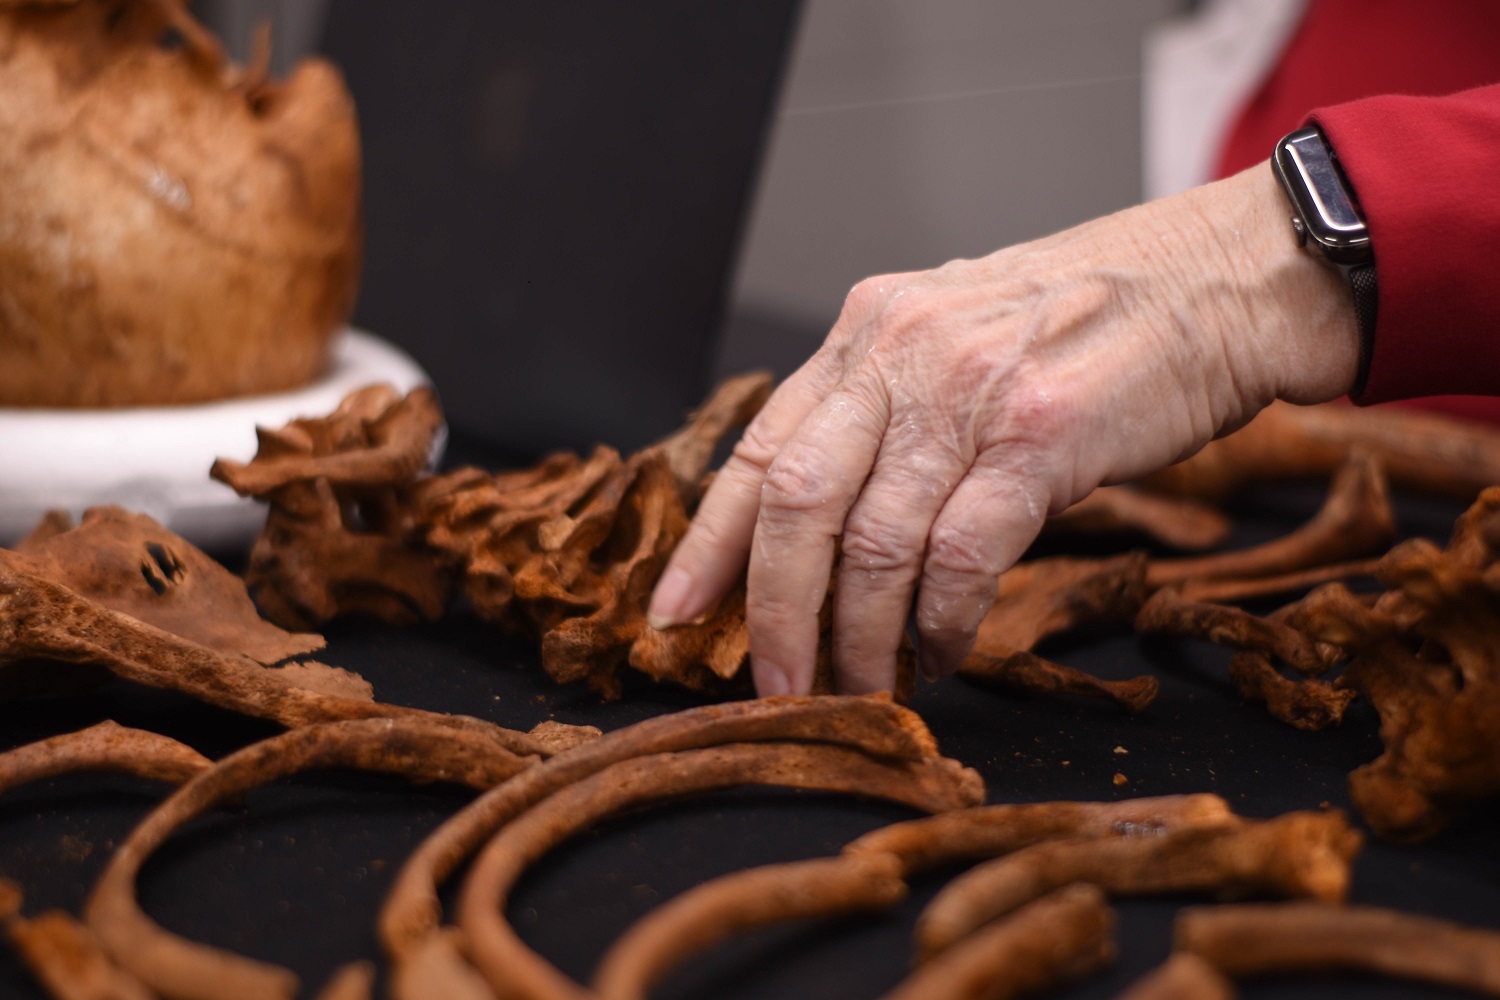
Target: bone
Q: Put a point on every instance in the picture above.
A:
(1059, 938)
(593, 647)
(1044, 597)
(1423, 452)
(66, 959)
(41, 620)
(1026, 671)
(1354, 521)
(734, 403)
(1233, 591)
(1298, 854)
(513, 970)
(355, 981)
(1287, 938)
(435, 969)
(989, 831)
(872, 723)
(1168, 613)
(1184, 976)
(711, 912)
(395, 436)
(1181, 522)
(129, 563)
(183, 970)
(1308, 705)
(106, 746)
(1425, 654)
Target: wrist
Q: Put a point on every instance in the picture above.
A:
(1301, 340)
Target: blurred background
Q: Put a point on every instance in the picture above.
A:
(579, 215)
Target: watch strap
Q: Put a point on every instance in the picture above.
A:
(1362, 283)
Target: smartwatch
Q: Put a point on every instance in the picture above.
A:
(1328, 224)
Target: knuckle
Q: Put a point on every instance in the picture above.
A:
(912, 313)
(793, 484)
(957, 553)
(779, 611)
(867, 296)
(753, 449)
(874, 543)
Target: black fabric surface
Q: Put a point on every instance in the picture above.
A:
(295, 873)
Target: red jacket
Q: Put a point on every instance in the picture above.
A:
(1425, 169)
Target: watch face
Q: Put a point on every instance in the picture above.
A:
(1320, 194)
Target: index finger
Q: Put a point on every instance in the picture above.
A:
(716, 547)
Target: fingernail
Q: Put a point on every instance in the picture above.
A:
(669, 599)
(771, 681)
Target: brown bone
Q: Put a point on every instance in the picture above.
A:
(1180, 522)
(1168, 613)
(179, 969)
(1184, 976)
(710, 912)
(1426, 655)
(1056, 939)
(129, 563)
(872, 723)
(63, 955)
(106, 746)
(41, 620)
(1298, 854)
(1043, 597)
(1281, 938)
(929, 783)
(989, 831)
(1308, 705)
(1028, 672)
(1425, 452)
(869, 875)
(1355, 520)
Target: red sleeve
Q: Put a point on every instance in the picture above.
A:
(1426, 171)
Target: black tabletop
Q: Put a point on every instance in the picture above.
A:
(295, 872)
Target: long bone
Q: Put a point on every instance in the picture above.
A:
(869, 874)
(105, 746)
(989, 831)
(1278, 938)
(41, 620)
(1183, 976)
(1065, 935)
(183, 970)
(1424, 452)
(740, 901)
(1354, 521)
(929, 783)
(874, 724)
(63, 955)
(1298, 854)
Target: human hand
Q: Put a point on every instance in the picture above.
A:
(949, 411)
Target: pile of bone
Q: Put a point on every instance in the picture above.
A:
(567, 552)
(1032, 913)
(120, 595)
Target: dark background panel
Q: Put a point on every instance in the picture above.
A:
(553, 196)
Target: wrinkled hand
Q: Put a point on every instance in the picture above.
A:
(950, 411)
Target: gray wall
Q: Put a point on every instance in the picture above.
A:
(911, 133)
